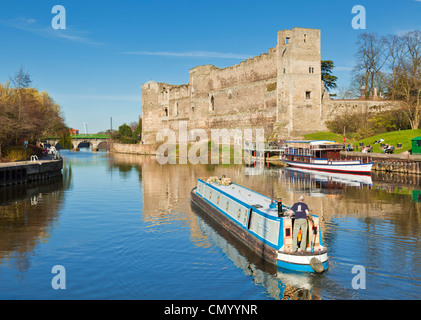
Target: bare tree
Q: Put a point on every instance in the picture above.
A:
(407, 85)
(371, 57)
(21, 79)
(396, 51)
(345, 93)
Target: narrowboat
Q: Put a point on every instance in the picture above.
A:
(322, 155)
(260, 223)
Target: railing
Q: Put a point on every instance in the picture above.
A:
(327, 147)
(298, 152)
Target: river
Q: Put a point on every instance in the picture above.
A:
(122, 227)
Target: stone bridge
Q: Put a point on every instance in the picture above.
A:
(93, 139)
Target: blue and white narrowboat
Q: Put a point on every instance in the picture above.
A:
(260, 223)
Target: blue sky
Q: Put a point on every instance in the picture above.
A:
(95, 67)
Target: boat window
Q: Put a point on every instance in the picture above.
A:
(227, 204)
(210, 195)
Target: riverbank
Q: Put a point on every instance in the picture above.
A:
(382, 156)
(395, 138)
(402, 163)
(399, 163)
(12, 173)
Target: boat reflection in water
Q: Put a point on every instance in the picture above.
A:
(321, 183)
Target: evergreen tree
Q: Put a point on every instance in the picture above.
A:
(329, 80)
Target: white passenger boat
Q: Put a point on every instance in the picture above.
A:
(322, 155)
(254, 219)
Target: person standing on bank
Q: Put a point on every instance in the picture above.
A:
(301, 215)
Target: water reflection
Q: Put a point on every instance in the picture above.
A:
(27, 213)
(362, 218)
(325, 182)
(125, 227)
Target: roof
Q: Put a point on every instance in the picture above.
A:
(416, 138)
(312, 142)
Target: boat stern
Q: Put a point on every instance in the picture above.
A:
(306, 261)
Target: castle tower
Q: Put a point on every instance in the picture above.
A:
(299, 85)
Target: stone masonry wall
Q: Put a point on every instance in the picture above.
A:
(279, 91)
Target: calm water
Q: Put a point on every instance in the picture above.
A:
(123, 227)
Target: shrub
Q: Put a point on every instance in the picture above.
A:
(17, 153)
(128, 140)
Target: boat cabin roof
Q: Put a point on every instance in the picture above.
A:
(313, 144)
(252, 198)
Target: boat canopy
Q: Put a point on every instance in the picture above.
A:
(314, 144)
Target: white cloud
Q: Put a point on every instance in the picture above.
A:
(195, 54)
(30, 25)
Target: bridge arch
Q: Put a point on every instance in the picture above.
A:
(96, 141)
(94, 144)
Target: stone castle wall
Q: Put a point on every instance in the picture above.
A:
(279, 91)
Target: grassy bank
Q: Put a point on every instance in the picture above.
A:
(404, 137)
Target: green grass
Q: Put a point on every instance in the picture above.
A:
(404, 137)
(394, 137)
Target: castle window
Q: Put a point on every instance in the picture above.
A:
(284, 70)
(308, 94)
(166, 112)
(176, 109)
(286, 40)
(305, 38)
(212, 104)
(310, 70)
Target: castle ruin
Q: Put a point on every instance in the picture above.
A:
(280, 91)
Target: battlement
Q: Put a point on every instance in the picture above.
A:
(280, 89)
